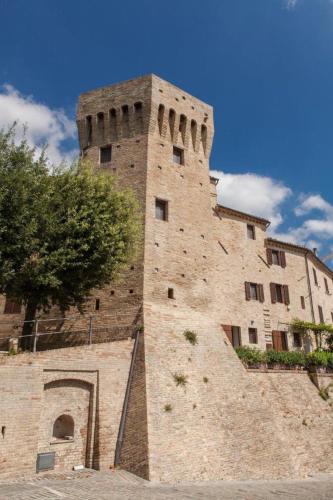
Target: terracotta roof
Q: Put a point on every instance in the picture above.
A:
(301, 249)
(242, 215)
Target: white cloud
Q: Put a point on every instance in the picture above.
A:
(313, 202)
(253, 194)
(321, 228)
(290, 4)
(312, 232)
(44, 125)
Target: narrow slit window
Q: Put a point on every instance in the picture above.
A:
(97, 304)
(171, 293)
(161, 209)
(105, 154)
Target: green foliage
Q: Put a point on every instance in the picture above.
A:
(321, 331)
(320, 358)
(254, 357)
(180, 379)
(168, 408)
(287, 358)
(251, 355)
(62, 232)
(314, 327)
(191, 337)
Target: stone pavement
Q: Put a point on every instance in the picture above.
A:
(120, 485)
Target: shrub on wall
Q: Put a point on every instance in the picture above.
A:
(251, 355)
(288, 358)
(191, 337)
(253, 358)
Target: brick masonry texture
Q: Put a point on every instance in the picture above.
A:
(225, 422)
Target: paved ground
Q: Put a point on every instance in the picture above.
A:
(122, 485)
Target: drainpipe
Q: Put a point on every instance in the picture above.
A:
(120, 437)
(309, 285)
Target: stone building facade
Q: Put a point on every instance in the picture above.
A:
(193, 411)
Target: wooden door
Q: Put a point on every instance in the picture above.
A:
(279, 341)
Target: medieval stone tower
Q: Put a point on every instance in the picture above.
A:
(194, 412)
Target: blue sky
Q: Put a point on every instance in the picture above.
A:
(265, 65)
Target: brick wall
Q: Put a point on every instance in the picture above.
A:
(87, 383)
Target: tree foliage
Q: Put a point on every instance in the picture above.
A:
(62, 233)
(320, 330)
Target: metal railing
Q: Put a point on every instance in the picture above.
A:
(57, 333)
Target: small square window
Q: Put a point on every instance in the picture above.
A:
(251, 233)
(178, 155)
(161, 209)
(253, 338)
(105, 154)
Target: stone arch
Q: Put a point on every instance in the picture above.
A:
(69, 411)
(63, 427)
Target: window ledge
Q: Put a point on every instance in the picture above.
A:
(62, 441)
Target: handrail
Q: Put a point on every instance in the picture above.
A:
(120, 437)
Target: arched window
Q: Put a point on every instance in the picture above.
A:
(138, 107)
(160, 117)
(63, 427)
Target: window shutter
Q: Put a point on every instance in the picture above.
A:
(283, 259)
(273, 292)
(12, 307)
(261, 293)
(269, 256)
(286, 295)
(247, 291)
(228, 331)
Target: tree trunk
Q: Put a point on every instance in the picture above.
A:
(29, 323)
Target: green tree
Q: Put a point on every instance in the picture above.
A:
(62, 233)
